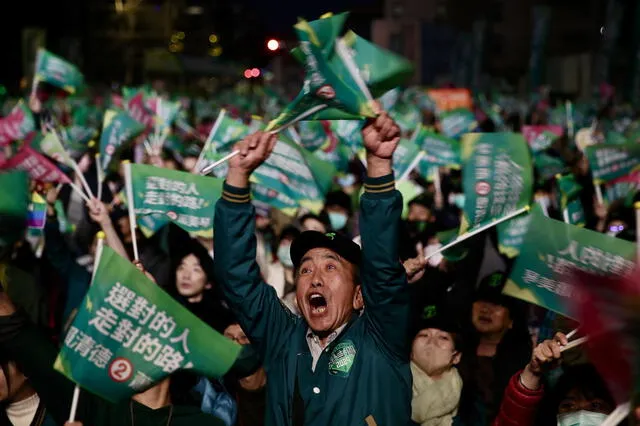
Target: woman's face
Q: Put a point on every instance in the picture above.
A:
(434, 351)
(490, 318)
(576, 401)
(191, 280)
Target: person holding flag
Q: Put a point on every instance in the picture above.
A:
(338, 363)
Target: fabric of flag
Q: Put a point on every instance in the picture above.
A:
(541, 137)
(14, 206)
(58, 72)
(36, 165)
(186, 199)
(17, 124)
(37, 215)
(609, 162)
(497, 177)
(118, 129)
(539, 274)
(129, 334)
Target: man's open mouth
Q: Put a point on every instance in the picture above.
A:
(318, 303)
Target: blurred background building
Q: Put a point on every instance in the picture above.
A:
(511, 45)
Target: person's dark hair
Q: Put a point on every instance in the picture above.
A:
(585, 379)
(322, 218)
(181, 388)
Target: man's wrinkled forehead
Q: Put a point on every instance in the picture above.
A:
(322, 253)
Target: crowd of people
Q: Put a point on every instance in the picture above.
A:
(343, 318)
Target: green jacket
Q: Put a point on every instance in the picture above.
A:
(35, 355)
(364, 373)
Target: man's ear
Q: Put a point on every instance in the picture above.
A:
(358, 301)
(456, 358)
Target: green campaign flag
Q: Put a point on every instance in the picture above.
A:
(407, 115)
(51, 146)
(204, 108)
(296, 172)
(439, 149)
(332, 78)
(613, 161)
(615, 138)
(406, 158)
(14, 206)
(348, 132)
(457, 122)
(548, 166)
(497, 177)
(552, 249)
(118, 128)
(186, 199)
(569, 193)
(129, 334)
(275, 199)
(336, 154)
(56, 71)
(511, 235)
(313, 134)
(381, 69)
(226, 131)
(624, 187)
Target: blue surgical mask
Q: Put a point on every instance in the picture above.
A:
(337, 220)
(284, 255)
(581, 418)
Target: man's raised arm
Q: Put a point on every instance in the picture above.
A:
(253, 302)
(384, 281)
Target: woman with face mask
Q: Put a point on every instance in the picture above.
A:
(338, 208)
(579, 398)
(281, 274)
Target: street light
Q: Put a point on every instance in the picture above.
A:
(273, 45)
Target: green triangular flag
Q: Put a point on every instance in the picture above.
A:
(129, 334)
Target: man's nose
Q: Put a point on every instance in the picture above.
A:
(316, 280)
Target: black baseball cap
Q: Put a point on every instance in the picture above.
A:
(337, 243)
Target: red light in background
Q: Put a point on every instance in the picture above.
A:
(255, 72)
(273, 45)
(247, 73)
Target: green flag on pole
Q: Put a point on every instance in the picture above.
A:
(186, 199)
(129, 334)
(609, 162)
(570, 204)
(552, 249)
(118, 128)
(497, 177)
(332, 78)
(58, 72)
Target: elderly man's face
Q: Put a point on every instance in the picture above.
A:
(326, 291)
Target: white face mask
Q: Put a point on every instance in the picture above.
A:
(581, 418)
(434, 260)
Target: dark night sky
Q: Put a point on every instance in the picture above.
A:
(62, 17)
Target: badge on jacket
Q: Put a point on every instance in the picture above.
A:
(341, 359)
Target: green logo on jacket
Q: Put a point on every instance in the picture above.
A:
(341, 359)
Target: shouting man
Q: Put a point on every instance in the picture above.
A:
(346, 361)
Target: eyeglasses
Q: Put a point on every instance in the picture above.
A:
(616, 228)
